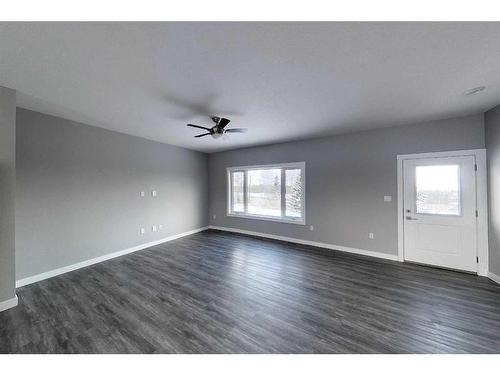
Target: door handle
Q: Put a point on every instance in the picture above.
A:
(410, 218)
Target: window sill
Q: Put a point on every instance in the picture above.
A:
(267, 218)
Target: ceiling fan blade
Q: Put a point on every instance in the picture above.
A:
(201, 135)
(237, 130)
(223, 122)
(198, 126)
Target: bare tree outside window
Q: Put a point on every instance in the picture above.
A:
(293, 192)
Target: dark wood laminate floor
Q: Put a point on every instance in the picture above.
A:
(216, 292)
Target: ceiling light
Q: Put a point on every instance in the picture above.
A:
(474, 90)
(216, 135)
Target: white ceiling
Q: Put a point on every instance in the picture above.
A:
(282, 81)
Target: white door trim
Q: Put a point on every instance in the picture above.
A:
(481, 201)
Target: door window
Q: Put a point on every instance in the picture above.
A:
(438, 189)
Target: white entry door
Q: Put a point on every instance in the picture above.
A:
(440, 212)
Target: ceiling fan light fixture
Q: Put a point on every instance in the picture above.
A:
(219, 130)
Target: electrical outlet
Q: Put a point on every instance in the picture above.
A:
(371, 236)
(153, 193)
(142, 194)
(215, 217)
(160, 227)
(154, 228)
(311, 227)
(142, 231)
(387, 198)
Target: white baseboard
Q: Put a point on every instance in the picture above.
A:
(8, 304)
(310, 243)
(494, 277)
(85, 263)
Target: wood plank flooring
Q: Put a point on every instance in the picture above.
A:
(216, 292)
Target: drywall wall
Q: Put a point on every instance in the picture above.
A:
(347, 177)
(78, 192)
(7, 192)
(492, 128)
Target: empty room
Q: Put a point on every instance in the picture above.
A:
(250, 187)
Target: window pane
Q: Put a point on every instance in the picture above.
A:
(293, 194)
(264, 192)
(237, 198)
(438, 189)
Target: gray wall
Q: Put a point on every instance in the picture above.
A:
(347, 177)
(78, 192)
(492, 126)
(7, 192)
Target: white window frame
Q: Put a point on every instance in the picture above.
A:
(283, 167)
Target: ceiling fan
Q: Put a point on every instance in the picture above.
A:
(219, 129)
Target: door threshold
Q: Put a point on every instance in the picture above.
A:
(441, 267)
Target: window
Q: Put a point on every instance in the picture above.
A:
(438, 189)
(271, 192)
(293, 193)
(237, 197)
(264, 192)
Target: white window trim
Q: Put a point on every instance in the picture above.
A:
(283, 166)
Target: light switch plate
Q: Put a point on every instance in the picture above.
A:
(154, 228)
(142, 194)
(143, 231)
(387, 198)
(153, 193)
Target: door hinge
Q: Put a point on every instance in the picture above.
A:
(477, 214)
(477, 259)
(475, 167)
